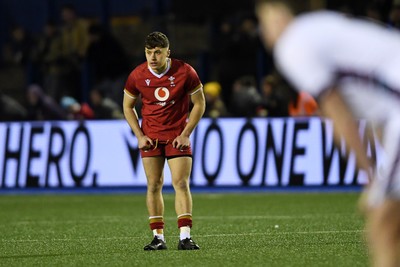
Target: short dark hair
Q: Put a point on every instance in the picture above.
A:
(156, 39)
(295, 6)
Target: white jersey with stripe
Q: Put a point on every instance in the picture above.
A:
(326, 50)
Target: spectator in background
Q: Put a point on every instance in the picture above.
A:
(76, 110)
(302, 104)
(49, 60)
(108, 61)
(394, 16)
(41, 106)
(19, 49)
(224, 57)
(103, 107)
(10, 109)
(373, 12)
(106, 55)
(74, 33)
(279, 99)
(247, 45)
(73, 48)
(274, 97)
(215, 107)
(245, 97)
(236, 54)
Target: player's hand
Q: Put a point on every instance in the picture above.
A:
(181, 142)
(145, 143)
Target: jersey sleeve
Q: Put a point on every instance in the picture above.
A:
(130, 86)
(305, 65)
(193, 83)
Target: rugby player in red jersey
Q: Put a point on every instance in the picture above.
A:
(166, 87)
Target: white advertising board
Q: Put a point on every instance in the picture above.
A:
(227, 152)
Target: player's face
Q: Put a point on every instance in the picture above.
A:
(157, 58)
(273, 19)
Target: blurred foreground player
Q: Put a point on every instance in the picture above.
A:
(353, 68)
(166, 87)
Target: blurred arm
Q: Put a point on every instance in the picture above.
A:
(333, 106)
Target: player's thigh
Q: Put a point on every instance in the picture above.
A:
(387, 183)
(153, 167)
(180, 168)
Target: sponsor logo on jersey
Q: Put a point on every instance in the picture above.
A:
(147, 82)
(163, 104)
(161, 93)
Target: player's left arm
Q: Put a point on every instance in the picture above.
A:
(334, 107)
(199, 106)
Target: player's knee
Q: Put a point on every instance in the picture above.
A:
(181, 184)
(154, 186)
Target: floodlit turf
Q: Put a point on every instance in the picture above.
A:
(314, 229)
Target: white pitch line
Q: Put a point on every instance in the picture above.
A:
(277, 232)
(285, 233)
(68, 239)
(288, 217)
(124, 219)
(253, 217)
(82, 220)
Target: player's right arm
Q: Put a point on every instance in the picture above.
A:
(132, 118)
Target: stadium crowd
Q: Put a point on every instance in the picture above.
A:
(77, 70)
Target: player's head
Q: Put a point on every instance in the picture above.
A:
(68, 13)
(156, 39)
(274, 16)
(157, 50)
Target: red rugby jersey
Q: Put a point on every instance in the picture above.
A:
(165, 97)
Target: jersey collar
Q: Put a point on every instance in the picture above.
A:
(164, 72)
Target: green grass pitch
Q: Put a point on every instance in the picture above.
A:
(234, 229)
